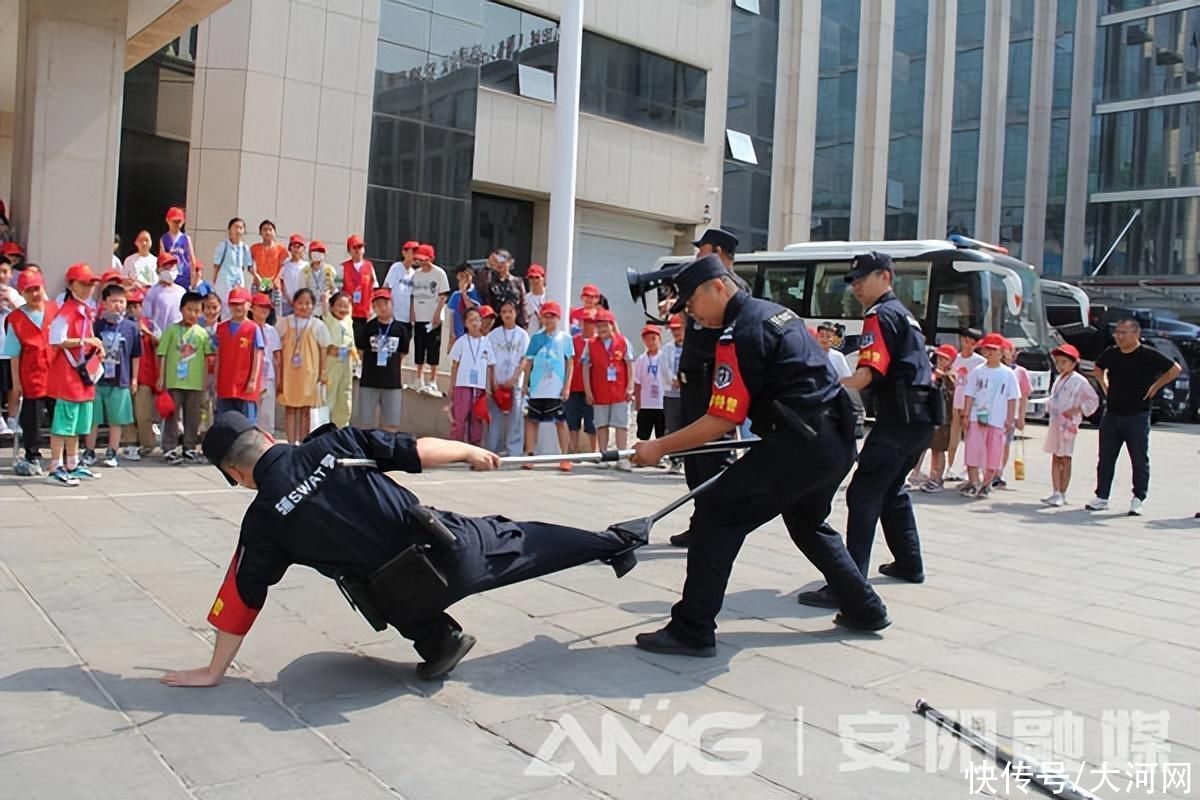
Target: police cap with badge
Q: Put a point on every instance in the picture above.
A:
(688, 279)
(219, 440)
(866, 263)
(718, 237)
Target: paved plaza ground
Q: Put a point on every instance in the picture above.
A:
(1077, 631)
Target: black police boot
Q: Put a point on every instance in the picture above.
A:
(892, 570)
(861, 623)
(456, 647)
(664, 642)
(819, 598)
(681, 539)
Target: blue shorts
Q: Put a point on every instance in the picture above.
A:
(579, 413)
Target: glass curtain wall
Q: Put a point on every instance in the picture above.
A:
(837, 91)
(964, 139)
(1060, 139)
(1016, 127)
(746, 193)
(908, 109)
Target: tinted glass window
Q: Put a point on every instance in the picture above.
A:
(832, 299)
(785, 285)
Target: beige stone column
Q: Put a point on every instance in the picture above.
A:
(795, 122)
(992, 114)
(1037, 159)
(281, 120)
(67, 128)
(938, 119)
(868, 192)
(1075, 223)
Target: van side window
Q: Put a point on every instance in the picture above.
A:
(785, 285)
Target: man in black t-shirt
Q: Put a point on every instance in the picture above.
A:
(1129, 375)
(382, 343)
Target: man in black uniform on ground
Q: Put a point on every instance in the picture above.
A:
(696, 366)
(767, 366)
(350, 522)
(893, 362)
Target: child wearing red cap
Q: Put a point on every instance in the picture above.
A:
(547, 365)
(260, 309)
(606, 382)
(991, 412)
(1071, 399)
(75, 352)
(114, 391)
(1025, 386)
(672, 402)
(589, 297)
(472, 378)
(579, 412)
(319, 277)
(534, 297)
(239, 346)
(178, 244)
(342, 356)
(358, 281)
(289, 277)
(430, 289)
(382, 343)
(163, 298)
(649, 383)
(506, 432)
(943, 379)
(147, 378)
(28, 348)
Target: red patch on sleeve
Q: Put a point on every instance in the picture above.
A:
(229, 613)
(872, 350)
(730, 399)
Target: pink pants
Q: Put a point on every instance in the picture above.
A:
(464, 426)
(984, 446)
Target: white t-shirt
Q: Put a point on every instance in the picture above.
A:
(651, 374)
(533, 311)
(960, 369)
(671, 353)
(840, 365)
(272, 345)
(990, 389)
(509, 348)
(399, 280)
(143, 269)
(290, 277)
(473, 355)
(426, 287)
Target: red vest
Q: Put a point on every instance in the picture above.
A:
(235, 360)
(600, 358)
(147, 374)
(35, 353)
(73, 321)
(577, 369)
(359, 281)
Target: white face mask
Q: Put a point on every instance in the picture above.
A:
(318, 256)
(168, 275)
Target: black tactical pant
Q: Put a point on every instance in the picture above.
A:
(494, 552)
(786, 475)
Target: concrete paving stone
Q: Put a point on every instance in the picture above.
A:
(950, 625)
(591, 622)
(76, 582)
(1178, 597)
(48, 698)
(92, 774)
(24, 626)
(138, 555)
(329, 779)
(1140, 624)
(39, 544)
(1113, 670)
(541, 599)
(1169, 655)
(837, 660)
(1016, 620)
(1158, 609)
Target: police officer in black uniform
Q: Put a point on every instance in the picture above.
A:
(328, 505)
(769, 368)
(695, 369)
(893, 362)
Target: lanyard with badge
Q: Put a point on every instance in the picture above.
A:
(474, 347)
(652, 370)
(382, 346)
(297, 361)
(357, 284)
(612, 366)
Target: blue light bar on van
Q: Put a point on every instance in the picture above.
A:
(974, 244)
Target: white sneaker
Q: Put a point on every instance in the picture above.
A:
(1059, 500)
(131, 454)
(4, 429)
(1050, 499)
(13, 425)
(1097, 504)
(1135, 507)
(624, 466)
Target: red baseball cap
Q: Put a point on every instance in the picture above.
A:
(586, 314)
(411, 245)
(317, 245)
(239, 295)
(295, 238)
(260, 299)
(381, 294)
(355, 241)
(136, 296)
(676, 321)
(1068, 350)
(604, 315)
(551, 309)
(589, 290)
(82, 273)
(28, 279)
(947, 351)
(651, 330)
(166, 260)
(991, 340)
(11, 249)
(111, 275)
(425, 251)
(175, 213)
(535, 271)
(487, 311)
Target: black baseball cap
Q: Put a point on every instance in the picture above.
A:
(718, 237)
(866, 263)
(221, 436)
(691, 276)
(971, 333)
